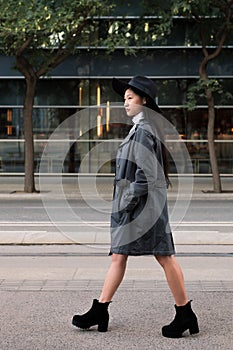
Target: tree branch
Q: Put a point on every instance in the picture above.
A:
(208, 57)
(21, 49)
(24, 67)
(203, 41)
(220, 45)
(61, 53)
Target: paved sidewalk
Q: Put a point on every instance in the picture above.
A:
(42, 320)
(12, 187)
(77, 263)
(41, 287)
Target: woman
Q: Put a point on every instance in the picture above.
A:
(139, 220)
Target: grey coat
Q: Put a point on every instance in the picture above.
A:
(139, 219)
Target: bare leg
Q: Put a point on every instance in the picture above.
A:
(114, 277)
(175, 279)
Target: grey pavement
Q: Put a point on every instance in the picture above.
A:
(42, 320)
(43, 285)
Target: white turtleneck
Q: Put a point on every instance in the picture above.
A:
(137, 118)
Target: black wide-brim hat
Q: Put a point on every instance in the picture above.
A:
(142, 85)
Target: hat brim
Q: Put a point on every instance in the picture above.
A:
(120, 87)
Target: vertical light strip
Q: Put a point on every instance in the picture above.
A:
(80, 95)
(107, 116)
(99, 121)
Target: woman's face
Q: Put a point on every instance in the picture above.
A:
(133, 103)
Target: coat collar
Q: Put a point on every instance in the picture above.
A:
(129, 136)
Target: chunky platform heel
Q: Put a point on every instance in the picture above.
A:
(185, 319)
(97, 316)
(103, 326)
(194, 329)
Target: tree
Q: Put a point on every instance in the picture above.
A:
(212, 21)
(41, 34)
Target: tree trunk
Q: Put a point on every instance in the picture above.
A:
(29, 180)
(210, 128)
(212, 151)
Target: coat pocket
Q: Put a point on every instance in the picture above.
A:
(126, 200)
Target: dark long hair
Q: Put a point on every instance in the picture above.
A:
(151, 105)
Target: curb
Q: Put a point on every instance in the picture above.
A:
(108, 197)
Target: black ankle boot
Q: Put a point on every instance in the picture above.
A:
(185, 319)
(97, 315)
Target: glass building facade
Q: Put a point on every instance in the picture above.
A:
(84, 80)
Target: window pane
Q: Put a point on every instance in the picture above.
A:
(66, 92)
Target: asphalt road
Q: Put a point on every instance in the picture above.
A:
(13, 210)
(205, 222)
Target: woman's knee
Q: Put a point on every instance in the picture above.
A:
(119, 258)
(164, 259)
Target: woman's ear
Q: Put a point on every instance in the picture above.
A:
(144, 101)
